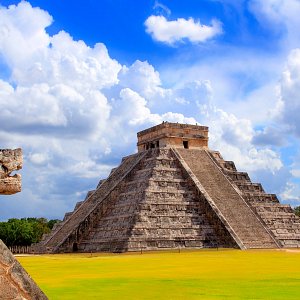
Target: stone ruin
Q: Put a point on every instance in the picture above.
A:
(15, 283)
(175, 192)
(10, 161)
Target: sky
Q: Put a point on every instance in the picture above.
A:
(79, 79)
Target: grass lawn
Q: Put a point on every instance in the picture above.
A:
(205, 274)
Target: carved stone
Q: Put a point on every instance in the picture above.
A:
(10, 160)
(15, 283)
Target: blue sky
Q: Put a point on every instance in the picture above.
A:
(79, 79)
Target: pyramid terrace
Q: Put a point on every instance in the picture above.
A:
(175, 193)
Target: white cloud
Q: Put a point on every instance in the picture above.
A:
(38, 158)
(133, 108)
(181, 29)
(289, 102)
(276, 11)
(270, 135)
(22, 33)
(280, 16)
(75, 111)
(161, 8)
(295, 173)
(233, 137)
(143, 78)
(291, 192)
(69, 62)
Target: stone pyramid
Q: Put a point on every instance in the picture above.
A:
(175, 193)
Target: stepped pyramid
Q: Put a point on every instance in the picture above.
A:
(175, 193)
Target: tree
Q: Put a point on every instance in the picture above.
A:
(25, 231)
(297, 210)
(52, 222)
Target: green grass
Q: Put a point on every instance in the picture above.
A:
(205, 274)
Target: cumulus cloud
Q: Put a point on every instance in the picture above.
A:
(280, 16)
(143, 78)
(179, 30)
(231, 135)
(270, 136)
(291, 192)
(276, 10)
(133, 108)
(289, 102)
(22, 33)
(38, 158)
(68, 105)
(75, 111)
(234, 136)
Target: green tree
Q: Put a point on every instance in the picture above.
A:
(52, 222)
(297, 210)
(25, 231)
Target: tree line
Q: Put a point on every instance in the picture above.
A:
(25, 231)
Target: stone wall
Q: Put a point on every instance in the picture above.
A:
(167, 135)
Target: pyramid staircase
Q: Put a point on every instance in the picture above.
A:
(279, 219)
(155, 206)
(167, 197)
(246, 226)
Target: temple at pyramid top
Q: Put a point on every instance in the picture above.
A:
(174, 193)
(173, 135)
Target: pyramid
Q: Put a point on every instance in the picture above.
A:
(175, 193)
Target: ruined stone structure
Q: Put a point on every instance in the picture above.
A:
(10, 160)
(175, 193)
(15, 283)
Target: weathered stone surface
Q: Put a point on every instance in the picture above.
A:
(155, 206)
(280, 220)
(175, 193)
(246, 226)
(15, 283)
(173, 135)
(10, 160)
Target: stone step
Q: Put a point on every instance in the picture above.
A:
(258, 197)
(282, 215)
(249, 187)
(272, 207)
(229, 165)
(236, 176)
(169, 190)
(242, 223)
(78, 204)
(67, 215)
(259, 245)
(100, 182)
(70, 225)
